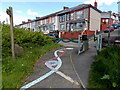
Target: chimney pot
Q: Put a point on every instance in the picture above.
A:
(95, 4)
(29, 19)
(65, 7)
(37, 17)
(23, 21)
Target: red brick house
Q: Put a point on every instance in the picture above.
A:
(79, 18)
(106, 20)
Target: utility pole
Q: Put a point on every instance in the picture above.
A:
(10, 13)
(109, 29)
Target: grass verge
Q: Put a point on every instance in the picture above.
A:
(105, 70)
(15, 71)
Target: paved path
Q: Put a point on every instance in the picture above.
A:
(55, 80)
(83, 62)
(75, 66)
(70, 44)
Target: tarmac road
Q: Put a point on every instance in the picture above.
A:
(115, 33)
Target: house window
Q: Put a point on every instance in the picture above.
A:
(79, 14)
(62, 18)
(44, 28)
(106, 20)
(52, 27)
(47, 21)
(103, 20)
(68, 26)
(72, 16)
(43, 21)
(79, 25)
(67, 17)
(71, 27)
(53, 19)
(39, 22)
(62, 27)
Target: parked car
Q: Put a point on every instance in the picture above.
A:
(115, 25)
(111, 28)
(51, 35)
(118, 24)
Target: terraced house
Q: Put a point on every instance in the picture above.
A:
(48, 23)
(84, 16)
(81, 17)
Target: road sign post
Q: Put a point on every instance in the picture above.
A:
(10, 13)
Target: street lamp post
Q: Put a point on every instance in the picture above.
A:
(10, 13)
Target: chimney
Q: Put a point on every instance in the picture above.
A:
(95, 4)
(29, 20)
(23, 21)
(65, 7)
(37, 17)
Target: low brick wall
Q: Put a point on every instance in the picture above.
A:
(72, 35)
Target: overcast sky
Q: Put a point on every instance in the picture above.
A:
(23, 10)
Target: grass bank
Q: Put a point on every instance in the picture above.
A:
(15, 71)
(105, 70)
(29, 47)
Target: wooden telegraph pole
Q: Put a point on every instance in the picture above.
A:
(10, 13)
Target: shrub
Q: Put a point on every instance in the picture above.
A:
(23, 38)
(105, 69)
(35, 44)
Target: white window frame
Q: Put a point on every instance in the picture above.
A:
(67, 17)
(79, 14)
(79, 25)
(62, 26)
(72, 16)
(53, 19)
(67, 26)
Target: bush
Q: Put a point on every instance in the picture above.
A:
(35, 44)
(105, 70)
(14, 72)
(23, 38)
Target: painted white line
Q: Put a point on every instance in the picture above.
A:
(51, 63)
(69, 48)
(61, 51)
(44, 76)
(67, 77)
